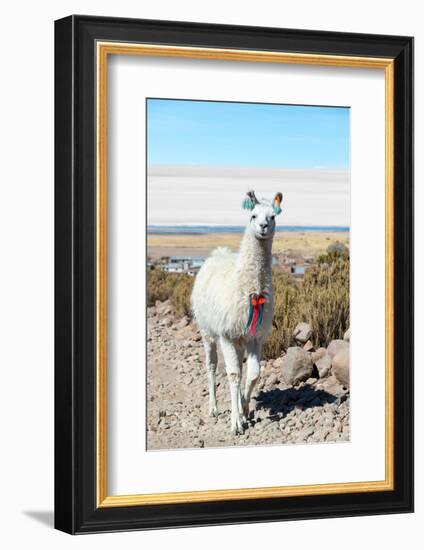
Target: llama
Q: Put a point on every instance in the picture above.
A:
(233, 303)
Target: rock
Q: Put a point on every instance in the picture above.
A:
(347, 335)
(163, 308)
(321, 434)
(278, 363)
(272, 380)
(320, 352)
(151, 311)
(340, 366)
(330, 381)
(333, 436)
(335, 388)
(335, 346)
(184, 333)
(302, 332)
(188, 379)
(308, 346)
(297, 366)
(182, 323)
(308, 431)
(338, 426)
(323, 365)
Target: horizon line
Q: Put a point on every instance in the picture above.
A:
(235, 172)
(155, 166)
(215, 226)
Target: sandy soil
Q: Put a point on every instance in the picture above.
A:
(177, 411)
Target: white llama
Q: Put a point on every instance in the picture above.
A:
(233, 304)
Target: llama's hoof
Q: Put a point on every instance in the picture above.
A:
(213, 411)
(237, 426)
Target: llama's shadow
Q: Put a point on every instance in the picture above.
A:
(279, 403)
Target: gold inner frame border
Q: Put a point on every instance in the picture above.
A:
(103, 50)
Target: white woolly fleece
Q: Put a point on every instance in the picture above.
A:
(220, 297)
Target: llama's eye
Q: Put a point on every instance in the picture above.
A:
(254, 217)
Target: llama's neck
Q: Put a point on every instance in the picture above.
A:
(254, 264)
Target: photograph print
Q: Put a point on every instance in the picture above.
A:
(248, 228)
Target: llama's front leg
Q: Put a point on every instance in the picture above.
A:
(211, 360)
(254, 350)
(233, 367)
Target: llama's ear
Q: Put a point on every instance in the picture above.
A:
(277, 203)
(250, 201)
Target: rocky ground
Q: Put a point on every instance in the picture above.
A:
(313, 410)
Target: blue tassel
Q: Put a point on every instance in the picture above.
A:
(261, 314)
(247, 204)
(277, 210)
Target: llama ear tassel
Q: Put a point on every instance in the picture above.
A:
(277, 203)
(250, 201)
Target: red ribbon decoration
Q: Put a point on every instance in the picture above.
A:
(257, 302)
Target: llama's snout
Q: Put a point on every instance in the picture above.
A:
(263, 225)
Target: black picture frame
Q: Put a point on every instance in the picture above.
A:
(76, 510)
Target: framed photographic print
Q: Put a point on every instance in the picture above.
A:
(234, 274)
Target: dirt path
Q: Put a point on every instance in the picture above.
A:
(177, 410)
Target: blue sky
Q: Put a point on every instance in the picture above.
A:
(247, 134)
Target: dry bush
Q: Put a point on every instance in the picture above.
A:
(173, 286)
(181, 293)
(286, 296)
(325, 297)
(321, 298)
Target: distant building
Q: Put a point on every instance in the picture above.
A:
(298, 270)
(295, 266)
(188, 265)
(174, 267)
(284, 267)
